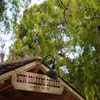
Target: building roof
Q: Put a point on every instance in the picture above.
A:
(12, 65)
(8, 68)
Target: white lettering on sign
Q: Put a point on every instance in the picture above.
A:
(36, 82)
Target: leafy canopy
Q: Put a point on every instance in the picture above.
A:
(64, 28)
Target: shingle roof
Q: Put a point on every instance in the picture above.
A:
(73, 88)
(11, 65)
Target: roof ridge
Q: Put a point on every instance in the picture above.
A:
(21, 60)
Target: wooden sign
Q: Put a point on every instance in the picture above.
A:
(36, 82)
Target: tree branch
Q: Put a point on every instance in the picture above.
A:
(65, 8)
(63, 5)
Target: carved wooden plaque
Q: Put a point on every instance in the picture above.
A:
(36, 82)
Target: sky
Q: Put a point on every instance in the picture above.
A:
(7, 37)
(9, 41)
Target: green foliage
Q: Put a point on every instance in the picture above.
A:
(59, 27)
(2, 8)
(10, 13)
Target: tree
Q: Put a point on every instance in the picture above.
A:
(39, 24)
(10, 12)
(62, 28)
(2, 8)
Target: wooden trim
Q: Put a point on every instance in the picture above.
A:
(65, 85)
(44, 69)
(65, 95)
(6, 88)
(71, 90)
(23, 68)
(21, 60)
(1, 83)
